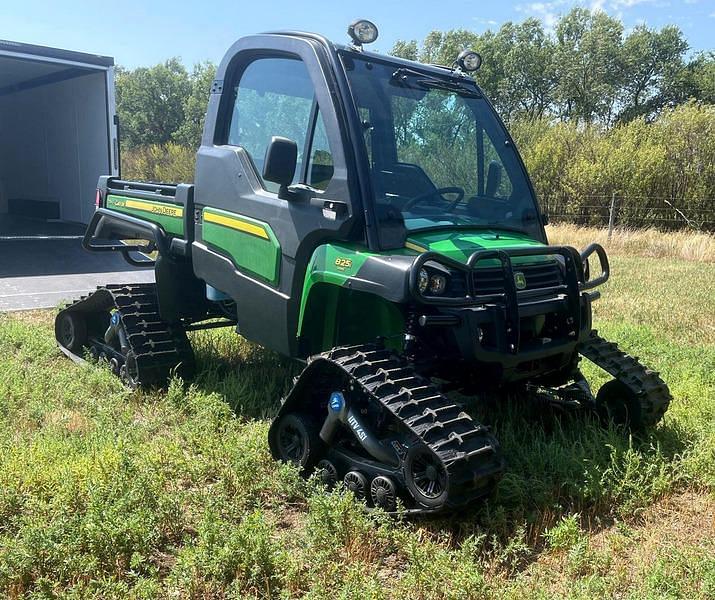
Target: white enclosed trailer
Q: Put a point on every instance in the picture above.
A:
(58, 132)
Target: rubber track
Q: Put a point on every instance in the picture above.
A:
(159, 347)
(652, 392)
(468, 451)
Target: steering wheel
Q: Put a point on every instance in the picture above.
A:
(438, 192)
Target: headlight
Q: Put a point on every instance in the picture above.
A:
(437, 284)
(423, 282)
(363, 32)
(469, 61)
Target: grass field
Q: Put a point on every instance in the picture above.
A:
(106, 492)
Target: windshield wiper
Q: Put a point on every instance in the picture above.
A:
(408, 78)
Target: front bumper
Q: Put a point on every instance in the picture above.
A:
(498, 328)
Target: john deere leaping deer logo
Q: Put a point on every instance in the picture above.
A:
(520, 280)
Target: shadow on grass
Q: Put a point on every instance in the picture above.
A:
(559, 464)
(250, 378)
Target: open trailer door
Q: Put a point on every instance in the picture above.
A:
(58, 134)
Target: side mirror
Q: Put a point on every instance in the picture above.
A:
(280, 162)
(545, 218)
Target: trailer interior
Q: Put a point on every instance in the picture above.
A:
(56, 138)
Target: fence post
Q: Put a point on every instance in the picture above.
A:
(611, 216)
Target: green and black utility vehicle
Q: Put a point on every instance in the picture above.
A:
(370, 216)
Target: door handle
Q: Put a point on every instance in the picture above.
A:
(335, 209)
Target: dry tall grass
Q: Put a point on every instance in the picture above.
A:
(685, 245)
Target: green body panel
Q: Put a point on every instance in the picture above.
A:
(331, 312)
(460, 244)
(168, 215)
(322, 269)
(241, 239)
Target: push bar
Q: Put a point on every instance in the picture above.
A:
(153, 232)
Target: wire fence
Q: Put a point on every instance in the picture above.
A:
(661, 212)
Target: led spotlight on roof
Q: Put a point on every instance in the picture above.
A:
(469, 61)
(362, 32)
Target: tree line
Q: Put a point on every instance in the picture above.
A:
(593, 108)
(588, 70)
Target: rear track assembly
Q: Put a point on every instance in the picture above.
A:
(121, 324)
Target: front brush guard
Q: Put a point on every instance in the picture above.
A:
(510, 300)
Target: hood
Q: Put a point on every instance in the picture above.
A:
(459, 244)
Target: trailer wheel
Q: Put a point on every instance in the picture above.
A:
(71, 331)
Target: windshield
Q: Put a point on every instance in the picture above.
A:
(438, 154)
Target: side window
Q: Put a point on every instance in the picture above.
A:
(273, 97)
(320, 167)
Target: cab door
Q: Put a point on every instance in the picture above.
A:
(253, 242)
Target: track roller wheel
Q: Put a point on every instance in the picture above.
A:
(425, 477)
(616, 402)
(327, 473)
(71, 331)
(356, 482)
(129, 371)
(114, 366)
(383, 493)
(297, 440)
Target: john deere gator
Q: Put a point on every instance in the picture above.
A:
(371, 217)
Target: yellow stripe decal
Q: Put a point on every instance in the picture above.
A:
(238, 224)
(157, 209)
(415, 247)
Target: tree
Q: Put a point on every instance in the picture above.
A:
(405, 49)
(442, 48)
(150, 102)
(651, 62)
(527, 67)
(589, 55)
(189, 133)
(695, 81)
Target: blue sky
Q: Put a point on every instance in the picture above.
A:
(145, 32)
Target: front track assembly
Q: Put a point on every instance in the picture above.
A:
(120, 325)
(363, 416)
(636, 396)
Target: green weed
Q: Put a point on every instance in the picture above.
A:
(106, 492)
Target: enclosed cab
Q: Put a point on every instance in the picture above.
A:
(372, 216)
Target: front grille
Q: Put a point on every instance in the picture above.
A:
(490, 280)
